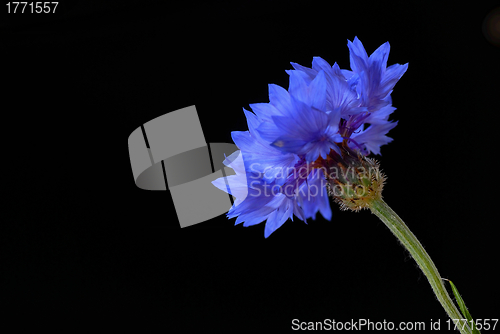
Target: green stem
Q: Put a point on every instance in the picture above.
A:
(410, 242)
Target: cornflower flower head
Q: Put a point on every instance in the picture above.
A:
(299, 143)
(312, 141)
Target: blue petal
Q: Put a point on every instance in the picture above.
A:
(341, 96)
(297, 86)
(392, 76)
(276, 219)
(374, 136)
(302, 121)
(243, 140)
(265, 110)
(307, 79)
(317, 92)
(378, 59)
(269, 131)
(279, 98)
(357, 55)
(312, 94)
(288, 143)
(319, 148)
(347, 74)
(380, 116)
(320, 64)
(313, 196)
(341, 73)
(309, 72)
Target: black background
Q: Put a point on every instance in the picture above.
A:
(85, 244)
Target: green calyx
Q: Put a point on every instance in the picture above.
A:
(355, 182)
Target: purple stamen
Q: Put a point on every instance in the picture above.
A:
(355, 143)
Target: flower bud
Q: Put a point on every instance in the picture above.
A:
(354, 180)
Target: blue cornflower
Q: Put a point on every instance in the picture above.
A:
(304, 127)
(282, 163)
(362, 94)
(255, 199)
(260, 156)
(376, 81)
